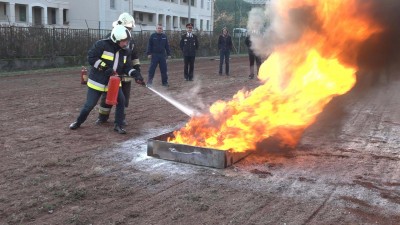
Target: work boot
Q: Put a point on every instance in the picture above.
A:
(119, 129)
(74, 125)
(124, 123)
(100, 121)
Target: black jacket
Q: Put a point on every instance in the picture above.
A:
(108, 52)
(248, 42)
(225, 42)
(189, 45)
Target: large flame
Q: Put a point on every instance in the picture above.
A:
(299, 79)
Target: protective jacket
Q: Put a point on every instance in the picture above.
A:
(189, 44)
(113, 56)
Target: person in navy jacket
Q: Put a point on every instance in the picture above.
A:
(189, 44)
(158, 51)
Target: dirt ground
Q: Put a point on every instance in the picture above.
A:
(346, 169)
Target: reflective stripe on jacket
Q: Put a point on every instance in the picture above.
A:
(109, 53)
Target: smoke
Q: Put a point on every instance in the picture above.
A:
(378, 55)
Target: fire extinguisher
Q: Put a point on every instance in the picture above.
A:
(112, 93)
(84, 76)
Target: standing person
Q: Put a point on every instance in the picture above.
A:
(224, 46)
(128, 22)
(189, 44)
(108, 57)
(157, 51)
(252, 57)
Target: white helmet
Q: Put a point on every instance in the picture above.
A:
(125, 20)
(119, 33)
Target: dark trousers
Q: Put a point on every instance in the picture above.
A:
(91, 100)
(158, 59)
(189, 67)
(104, 110)
(224, 56)
(252, 58)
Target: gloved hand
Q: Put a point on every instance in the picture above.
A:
(138, 77)
(135, 74)
(141, 82)
(109, 72)
(137, 67)
(149, 56)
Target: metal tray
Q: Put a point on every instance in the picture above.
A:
(158, 147)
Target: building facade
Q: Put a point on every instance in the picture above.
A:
(34, 13)
(99, 14)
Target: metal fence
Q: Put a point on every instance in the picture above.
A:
(37, 42)
(25, 48)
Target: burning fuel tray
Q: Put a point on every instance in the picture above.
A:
(159, 147)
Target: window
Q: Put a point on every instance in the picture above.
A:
(150, 17)
(201, 24)
(52, 16)
(22, 13)
(112, 4)
(65, 22)
(202, 4)
(192, 2)
(141, 17)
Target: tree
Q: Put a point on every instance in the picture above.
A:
(230, 14)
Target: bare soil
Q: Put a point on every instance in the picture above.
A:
(346, 169)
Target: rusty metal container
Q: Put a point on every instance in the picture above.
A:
(158, 147)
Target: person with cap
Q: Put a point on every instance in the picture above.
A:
(224, 46)
(108, 57)
(189, 44)
(158, 51)
(128, 22)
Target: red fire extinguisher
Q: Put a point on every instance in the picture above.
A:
(112, 93)
(84, 76)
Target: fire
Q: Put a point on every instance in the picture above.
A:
(299, 79)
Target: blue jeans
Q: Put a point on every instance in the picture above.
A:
(224, 56)
(158, 59)
(91, 100)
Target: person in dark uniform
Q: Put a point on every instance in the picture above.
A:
(189, 44)
(104, 110)
(224, 46)
(252, 57)
(158, 51)
(108, 57)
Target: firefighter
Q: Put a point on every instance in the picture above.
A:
(104, 110)
(108, 57)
